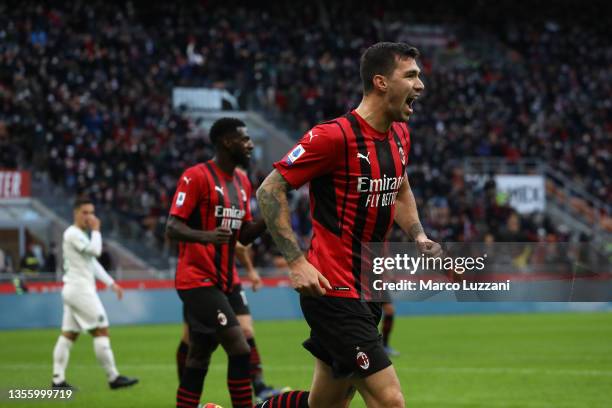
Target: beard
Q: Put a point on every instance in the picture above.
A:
(396, 109)
(397, 115)
(241, 159)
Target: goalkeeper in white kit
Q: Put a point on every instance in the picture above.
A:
(83, 310)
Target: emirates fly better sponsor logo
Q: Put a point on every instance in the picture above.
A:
(232, 217)
(383, 191)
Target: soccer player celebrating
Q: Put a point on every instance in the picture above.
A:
(356, 166)
(83, 309)
(210, 213)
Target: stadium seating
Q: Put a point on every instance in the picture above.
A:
(85, 93)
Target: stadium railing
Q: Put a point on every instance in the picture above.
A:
(578, 207)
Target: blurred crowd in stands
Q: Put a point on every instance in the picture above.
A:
(85, 93)
(33, 262)
(40, 260)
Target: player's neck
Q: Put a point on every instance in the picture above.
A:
(225, 164)
(81, 227)
(373, 113)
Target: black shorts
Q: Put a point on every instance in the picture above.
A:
(207, 309)
(344, 335)
(238, 300)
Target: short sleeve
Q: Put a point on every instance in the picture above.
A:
(188, 193)
(316, 154)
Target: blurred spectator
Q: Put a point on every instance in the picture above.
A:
(29, 262)
(106, 260)
(50, 259)
(3, 262)
(20, 286)
(512, 231)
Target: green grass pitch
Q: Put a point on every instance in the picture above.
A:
(530, 360)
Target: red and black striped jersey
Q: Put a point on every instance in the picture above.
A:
(355, 173)
(207, 198)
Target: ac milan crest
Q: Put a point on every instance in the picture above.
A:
(222, 318)
(362, 360)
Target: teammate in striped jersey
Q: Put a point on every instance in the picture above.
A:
(356, 167)
(238, 301)
(210, 213)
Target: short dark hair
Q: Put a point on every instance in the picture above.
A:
(379, 59)
(81, 201)
(224, 127)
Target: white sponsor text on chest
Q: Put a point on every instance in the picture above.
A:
(383, 190)
(232, 217)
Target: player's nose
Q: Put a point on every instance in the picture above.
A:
(419, 85)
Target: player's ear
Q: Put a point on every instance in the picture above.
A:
(225, 142)
(380, 82)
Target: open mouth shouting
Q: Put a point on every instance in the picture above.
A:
(409, 103)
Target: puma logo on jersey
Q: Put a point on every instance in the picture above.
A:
(219, 190)
(187, 179)
(366, 158)
(312, 135)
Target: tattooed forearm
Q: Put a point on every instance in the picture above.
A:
(406, 214)
(415, 229)
(272, 200)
